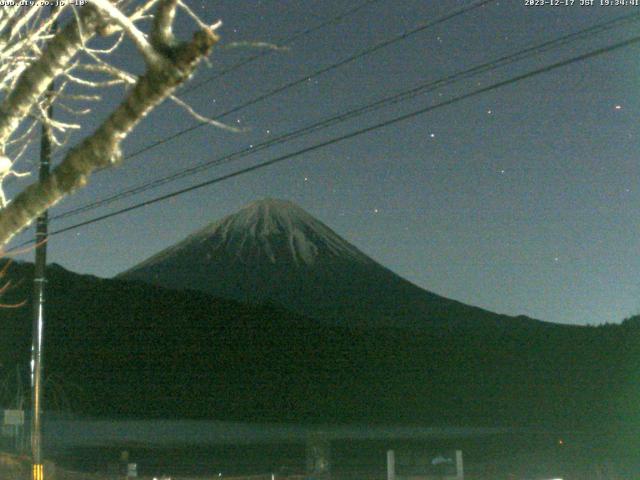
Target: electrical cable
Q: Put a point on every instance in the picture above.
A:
(355, 133)
(307, 77)
(390, 100)
(286, 41)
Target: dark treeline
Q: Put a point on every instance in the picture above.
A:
(129, 349)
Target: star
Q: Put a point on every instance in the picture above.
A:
(375, 210)
(556, 259)
(432, 135)
(502, 172)
(618, 107)
(306, 179)
(489, 112)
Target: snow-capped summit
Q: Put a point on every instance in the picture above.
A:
(265, 231)
(274, 251)
(277, 231)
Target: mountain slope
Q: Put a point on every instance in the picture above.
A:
(128, 348)
(274, 251)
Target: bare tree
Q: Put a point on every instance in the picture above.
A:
(32, 56)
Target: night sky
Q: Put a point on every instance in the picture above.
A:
(522, 200)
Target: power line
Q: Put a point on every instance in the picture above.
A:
(341, 117)
(287, 41)
(376, 47)
(305, 78)
(355, 133)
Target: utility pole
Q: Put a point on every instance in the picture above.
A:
(39, 282)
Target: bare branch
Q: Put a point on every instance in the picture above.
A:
(265, 45)
(6, 169)
(73, 111)
(162, 32)
(103, 147)
(103, 67)
(35, 79)
(25, 135)
(30, 38)
(23, 149)
(111, 49)
(193, 16)
(91, 83)
(139, 39)
(189, 109)
(81, 97)
(18, 174)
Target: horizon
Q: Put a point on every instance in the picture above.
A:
(270, 201)
(521, 200)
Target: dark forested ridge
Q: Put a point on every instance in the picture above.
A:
(140, 350)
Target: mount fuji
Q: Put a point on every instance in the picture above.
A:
(311, 339)
(273, 251)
